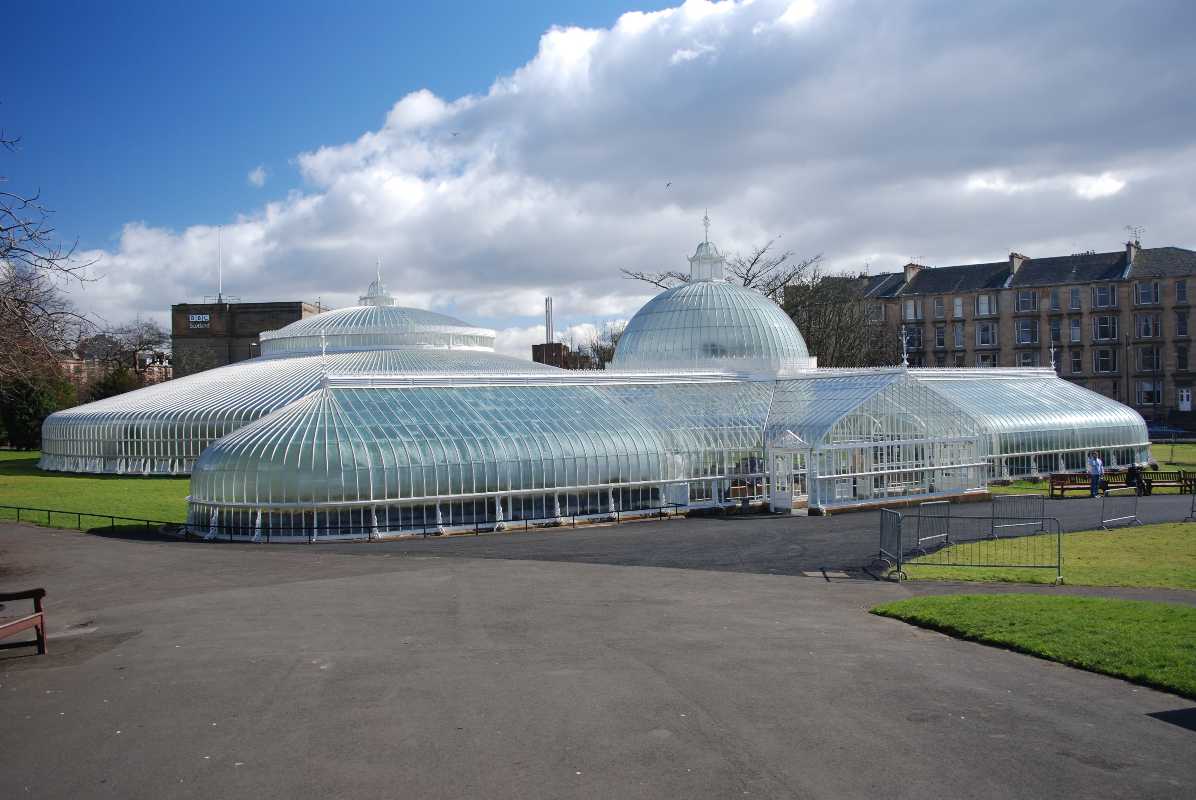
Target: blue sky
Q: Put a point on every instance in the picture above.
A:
(156, 111)
(492, 155)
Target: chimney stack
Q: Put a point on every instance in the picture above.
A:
(1131, 250)
(548, 337)
(1015, 262)
(911, 269)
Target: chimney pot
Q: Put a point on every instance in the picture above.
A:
(911, 269)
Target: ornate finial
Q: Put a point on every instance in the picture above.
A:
(706, 225)
(323, 351)
(904, 348)
(379, 270)
(1052, 356)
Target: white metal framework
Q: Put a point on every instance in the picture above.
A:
(380, 420)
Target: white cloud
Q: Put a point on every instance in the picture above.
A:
(1089, 187)
(257, 176)
(868, 128)
(798, 12)
(518, 341)
(684, 54)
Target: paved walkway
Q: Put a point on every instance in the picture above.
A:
(766, 543)
(192, 670)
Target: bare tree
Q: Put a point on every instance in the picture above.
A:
(36, 321)
(125, 345)
(601, 347)
(833, 314)
(765, 270)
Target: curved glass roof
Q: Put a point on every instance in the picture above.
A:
(711, 325)
(1030, 412)
(345, 444)
(163, 428)
(375, 327)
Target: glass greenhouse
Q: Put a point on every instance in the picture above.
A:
(379, 420)
(162, 429)
(1034, 423)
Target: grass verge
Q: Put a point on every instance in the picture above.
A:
(1168, 456)
(1157, 556)
(1153, 644)
(23, 484)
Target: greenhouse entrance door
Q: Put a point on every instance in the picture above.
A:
(786, 473)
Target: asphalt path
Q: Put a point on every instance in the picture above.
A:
(198, 670)
(770, 544)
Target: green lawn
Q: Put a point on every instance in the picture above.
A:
(1181, 456)
(1184, 458)
(1153, 644)
(23, 484)
(1162, 555)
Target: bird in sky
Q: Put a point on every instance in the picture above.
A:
(456, 133)
(667, 185)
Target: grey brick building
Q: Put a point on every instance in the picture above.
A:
(207, 335)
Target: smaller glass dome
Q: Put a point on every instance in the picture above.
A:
(376, 324)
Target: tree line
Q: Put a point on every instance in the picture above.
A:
(40, 329)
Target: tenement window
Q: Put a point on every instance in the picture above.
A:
(1104, 296)
(1146, 293)
(1104, 327)
(1027, 331)
(1104, 360)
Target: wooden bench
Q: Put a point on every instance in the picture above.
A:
(36, 620)
(1060, 483)
(1180, 480)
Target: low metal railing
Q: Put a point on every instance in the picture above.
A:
(311, 534)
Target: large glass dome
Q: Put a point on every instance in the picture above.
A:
(709, 324)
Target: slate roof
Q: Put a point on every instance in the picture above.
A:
(1078, 268)
(1157, 262)
(884, 285)
(1153, 262)
(962, 278)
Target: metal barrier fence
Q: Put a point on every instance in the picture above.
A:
(934, 525)
(890, 538)
(1119, 507)
(968, 542)
(295, 534)
(1015, 514)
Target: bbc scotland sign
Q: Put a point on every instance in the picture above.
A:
(200, 320)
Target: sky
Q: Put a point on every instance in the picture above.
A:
(494, 154)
